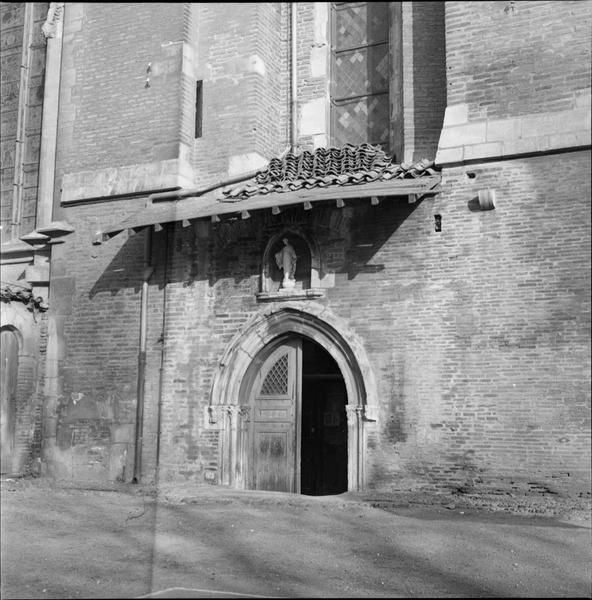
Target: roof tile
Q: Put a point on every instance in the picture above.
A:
(348, 165)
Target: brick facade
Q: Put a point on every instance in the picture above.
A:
(23, 52)
(516, 58)
(476, 337)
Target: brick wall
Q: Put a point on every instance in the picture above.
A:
(30, 329)
(507, 59)
(241, 58)
(424, 78)
(478, 335)
(107, 116)
(12, 15)
(95, 305)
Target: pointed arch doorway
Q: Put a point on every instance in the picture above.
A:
(297, 433)
(240, 378)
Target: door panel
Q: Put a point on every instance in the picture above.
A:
(273, 460)
(275, 425)
(8, 381)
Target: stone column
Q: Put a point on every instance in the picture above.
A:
(52, 30)
(242, 464)
(354, 446)
(233, 417)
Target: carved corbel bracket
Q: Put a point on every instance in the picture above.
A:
(53, 20)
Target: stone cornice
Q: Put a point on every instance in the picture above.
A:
(464, 140)
(126, 180)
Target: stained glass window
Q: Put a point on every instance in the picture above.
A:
(360, 70)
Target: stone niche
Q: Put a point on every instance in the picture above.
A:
(304, 280)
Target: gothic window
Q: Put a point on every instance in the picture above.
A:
(360, 73)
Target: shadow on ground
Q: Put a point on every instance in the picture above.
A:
(132, 542)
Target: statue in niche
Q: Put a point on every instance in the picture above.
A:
(286, 261)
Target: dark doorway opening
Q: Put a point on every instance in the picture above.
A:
(323, 454)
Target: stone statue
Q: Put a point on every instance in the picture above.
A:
(286, 261)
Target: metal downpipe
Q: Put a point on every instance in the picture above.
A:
(162, 352)
(293, 76)
(141, 385)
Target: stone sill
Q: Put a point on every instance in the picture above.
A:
(290, 295)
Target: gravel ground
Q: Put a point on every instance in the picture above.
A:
(125, 541)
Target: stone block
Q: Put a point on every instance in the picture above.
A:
(456, 114)
(313, 117)
(449, 155)
(318, 61)
(583, 98)
(122, 433)
(243, 163)
(489, 150)
(117, 462)
(461, 135)
(500, 130)
(125, 180)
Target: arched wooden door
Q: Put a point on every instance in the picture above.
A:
(275, 423)
(9, 350)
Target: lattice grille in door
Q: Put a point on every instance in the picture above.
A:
(276, 380)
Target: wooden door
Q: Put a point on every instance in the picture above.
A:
(8, 381)
(275, 426)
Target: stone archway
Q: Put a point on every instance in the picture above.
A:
(20, 322)
(229, 413)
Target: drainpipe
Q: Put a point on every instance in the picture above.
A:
(179, 194)
(147, 273)
(21, 122)
(294, 77)
(163, 341)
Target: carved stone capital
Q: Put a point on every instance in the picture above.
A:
(53, 20)
(222, 414)
(244, 412)
(353, 412)
(215, 414)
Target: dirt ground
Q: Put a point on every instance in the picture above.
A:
(125, 541)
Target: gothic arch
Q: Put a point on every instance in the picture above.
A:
(228, 411)
(20, 322)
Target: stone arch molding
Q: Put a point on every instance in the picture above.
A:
(20, 321)
(229, 412)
